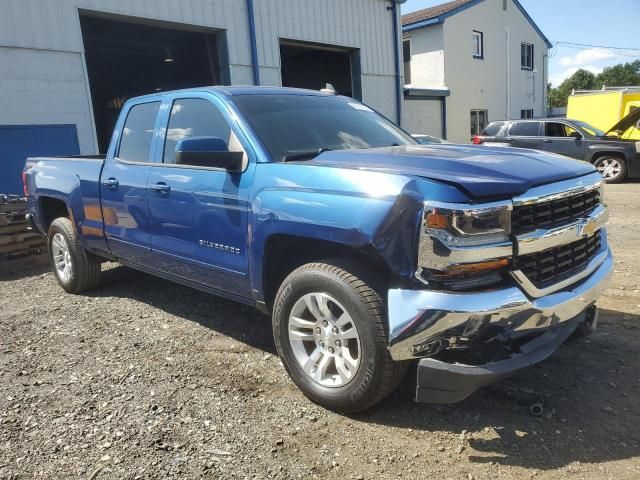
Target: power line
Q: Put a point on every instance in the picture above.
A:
(627, 54)
(595, 46)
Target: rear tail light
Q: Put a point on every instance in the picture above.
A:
(24, 184)
(476, 140)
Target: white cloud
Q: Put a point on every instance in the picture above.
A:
(587, 57)
(559, 77)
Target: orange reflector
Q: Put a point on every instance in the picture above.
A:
(470, 268)
(437, 220)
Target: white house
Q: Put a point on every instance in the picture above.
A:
(470, 62)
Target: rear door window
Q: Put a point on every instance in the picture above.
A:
(525, 129)
(493, 129)
(137, 133)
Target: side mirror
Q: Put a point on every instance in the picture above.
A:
(575, 135)
(212, 152)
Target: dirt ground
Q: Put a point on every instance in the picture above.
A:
(142, 378)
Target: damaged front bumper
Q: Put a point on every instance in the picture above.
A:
(425, 322)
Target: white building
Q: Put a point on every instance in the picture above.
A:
(66, 66)
(470, 62)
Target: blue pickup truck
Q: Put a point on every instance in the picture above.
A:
(369, 251)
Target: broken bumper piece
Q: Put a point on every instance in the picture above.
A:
(423, 323)
(440, 382)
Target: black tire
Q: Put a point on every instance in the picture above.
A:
(85, 270)
(378, 375)
(620, 177)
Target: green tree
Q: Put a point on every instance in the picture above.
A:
(622, 75)
(581, 80)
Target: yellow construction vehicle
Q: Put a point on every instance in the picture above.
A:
(605, 108)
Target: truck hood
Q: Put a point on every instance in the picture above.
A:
(481, 172)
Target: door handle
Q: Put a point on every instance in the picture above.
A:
(111, 183)
(546, 140)
(160, 188)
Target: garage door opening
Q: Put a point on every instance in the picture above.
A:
(313, 66)
(126, 59)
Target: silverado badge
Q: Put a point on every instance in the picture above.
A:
(219, 246)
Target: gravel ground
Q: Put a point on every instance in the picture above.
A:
(142, 378)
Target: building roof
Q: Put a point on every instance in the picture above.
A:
(437, 14)
(432, 12)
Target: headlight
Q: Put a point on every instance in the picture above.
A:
(601, 191)
(464, 246)
(468, 225)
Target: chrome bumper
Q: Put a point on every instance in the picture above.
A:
(420, 319)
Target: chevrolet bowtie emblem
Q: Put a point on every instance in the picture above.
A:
(588, 228)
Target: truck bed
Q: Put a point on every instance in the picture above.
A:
(74, 181)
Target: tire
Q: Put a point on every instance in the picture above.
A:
(341, 288)
(75, 269)
(612, 169)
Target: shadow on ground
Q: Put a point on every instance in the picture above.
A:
(588, 388)
(24, 267)
(240, 322)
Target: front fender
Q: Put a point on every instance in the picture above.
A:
(599, 148)
(369, 211)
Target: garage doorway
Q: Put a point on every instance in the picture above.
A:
(312, 66)
(125, 59)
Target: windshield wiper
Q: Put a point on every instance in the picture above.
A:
(307, 155)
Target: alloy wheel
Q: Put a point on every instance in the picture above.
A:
(609, 168)
(324, 339)
(61, 257)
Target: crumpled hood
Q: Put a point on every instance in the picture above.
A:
(482, 172)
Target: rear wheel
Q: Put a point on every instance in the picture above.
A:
(74, 268)
(330, 332)
(612, 169)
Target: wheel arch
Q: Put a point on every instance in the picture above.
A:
(50, 208)
(608, 153)
(283, 254)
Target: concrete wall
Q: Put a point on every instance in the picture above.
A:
(497, 83)
(42, 73)
(427, 57)
(422, 116)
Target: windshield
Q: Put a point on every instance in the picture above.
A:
(591, 130)
(291, 125)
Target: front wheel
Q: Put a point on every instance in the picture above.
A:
(329, 329)
(612, 169)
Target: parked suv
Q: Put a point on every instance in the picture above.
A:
(613, 157)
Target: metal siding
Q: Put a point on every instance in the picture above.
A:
(39, 27)
(364, 24)
(18, 142)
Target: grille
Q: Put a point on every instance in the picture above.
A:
(556, 264)
(554, 213)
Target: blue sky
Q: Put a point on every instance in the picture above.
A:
(594, 22)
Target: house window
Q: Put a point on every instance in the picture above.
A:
(526, 113)
(406, 56)
(479, 120)
(526, 56)
(478, 47)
